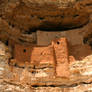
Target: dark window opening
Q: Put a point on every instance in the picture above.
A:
(12, 25)
(76, 15)
(7, 43)
(85, 40)
(31, 16)
(62, 16)
(24, 50)
(41, 18)
(58, 43)
(90, 45)
(12, 57)
(33, 72)
(0, 15)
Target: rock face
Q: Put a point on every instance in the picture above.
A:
(19, 28)
(22, 19)
(35, 17)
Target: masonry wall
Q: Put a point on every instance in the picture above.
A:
(22, 53)
(62, 57)
(55, 54)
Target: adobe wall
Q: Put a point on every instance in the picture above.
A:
(22, 54)
(62, 57)
(55, 54)
(42, 55)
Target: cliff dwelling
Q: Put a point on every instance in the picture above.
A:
(45, 45)
(29, 31)
(55, 54)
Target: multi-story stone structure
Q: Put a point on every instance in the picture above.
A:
(55, 54)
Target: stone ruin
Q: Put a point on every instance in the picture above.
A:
(55, 54)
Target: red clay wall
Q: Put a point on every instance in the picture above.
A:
(42, 55)
(62, 57)
(55, 54)
(22, 53)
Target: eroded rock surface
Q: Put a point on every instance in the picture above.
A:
(33, 17)
(22, 19)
